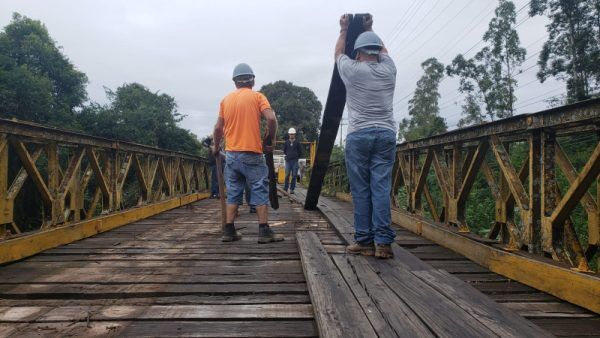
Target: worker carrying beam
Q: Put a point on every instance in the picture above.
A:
(239, 121)
(370, 81)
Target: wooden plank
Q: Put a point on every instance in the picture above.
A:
(384, 310)
(546, 276)
(77, 291)
(428, 303)
(332, 114)
(570, 327)
(211, 328)
(491, 314)
(207, 299)
(25, 246)
(162, 257)
(328, 290)
(117, 276)
(156, 312)
(302, 328)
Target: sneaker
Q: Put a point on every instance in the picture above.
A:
(230, 234)
(384, 251)
(360, 249)
(252, 209)
(266, 235)
(291, 192)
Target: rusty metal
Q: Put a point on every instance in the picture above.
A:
(531, 214)
(77, 176)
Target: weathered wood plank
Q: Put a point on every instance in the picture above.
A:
(379, 318)
(428, 303)
(328, 291)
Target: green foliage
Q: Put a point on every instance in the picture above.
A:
(138, 115)
(423, 107)
(337, 154)
(572, 52)
(296, 107)
(37, 81)
(489, 77)
(506, 54)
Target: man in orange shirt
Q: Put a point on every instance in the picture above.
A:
(239, 121)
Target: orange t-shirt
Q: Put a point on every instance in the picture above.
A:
(241, 111)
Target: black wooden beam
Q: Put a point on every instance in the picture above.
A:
(334, 108)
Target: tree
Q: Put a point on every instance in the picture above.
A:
(472, 114)
(506, 56)
(476, 83)
(489, 77)
(138, 115)
(296, 107)
(37, 81)
(572, 50)
(423, 107)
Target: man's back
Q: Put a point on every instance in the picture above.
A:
(241, 112)
(370, 89)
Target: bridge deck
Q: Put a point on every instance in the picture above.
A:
(166, 275)
(169, 275)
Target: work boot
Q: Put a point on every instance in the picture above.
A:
(266, 235)
(384, 251)
(361, 249)
(230, 234)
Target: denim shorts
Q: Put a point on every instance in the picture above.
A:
(242, 167)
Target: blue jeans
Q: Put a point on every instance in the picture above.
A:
(214, 180)
(370, 154)
(291, 167)
(245, 168)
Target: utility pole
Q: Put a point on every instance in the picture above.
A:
(342, 124)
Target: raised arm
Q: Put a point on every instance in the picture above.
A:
(340, 45)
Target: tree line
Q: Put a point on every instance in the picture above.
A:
(487, 81)
(38, 83)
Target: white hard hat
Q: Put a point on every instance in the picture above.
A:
(292, 131)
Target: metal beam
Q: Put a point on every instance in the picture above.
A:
(334, 108)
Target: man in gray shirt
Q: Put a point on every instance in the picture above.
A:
(370, 81)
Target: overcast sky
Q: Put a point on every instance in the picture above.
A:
(188, 49)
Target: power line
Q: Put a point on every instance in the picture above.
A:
(428, 24)
(420, 21)
(525, 19)
(401, 21)
(409, 19)
(441, 28)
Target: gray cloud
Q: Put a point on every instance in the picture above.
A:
(187, 49)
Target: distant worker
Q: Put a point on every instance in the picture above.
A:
(370, 81)
(239, 121)
(292, 151)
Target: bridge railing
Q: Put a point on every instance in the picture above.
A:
(51, 178)
(529, 182)
(536, 174)
(336, 179)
